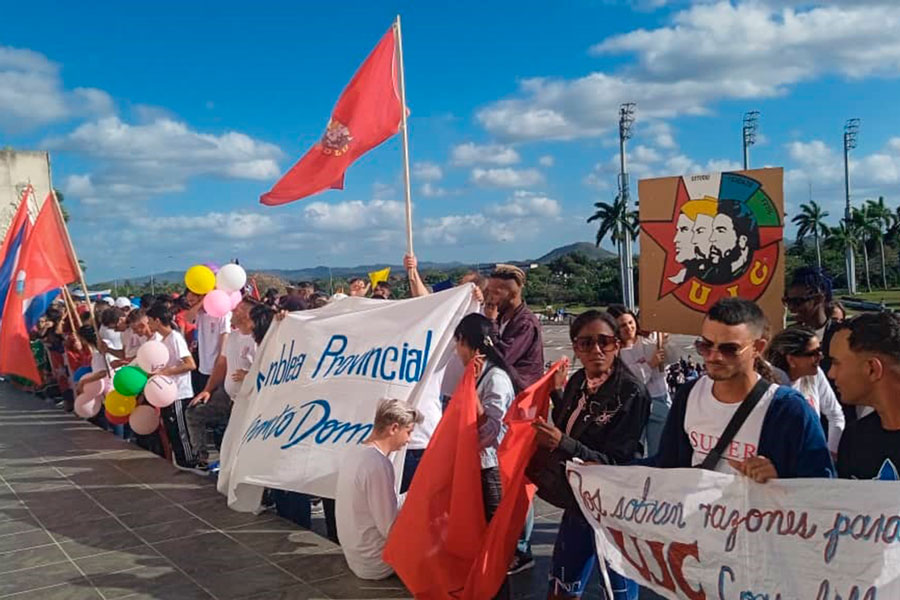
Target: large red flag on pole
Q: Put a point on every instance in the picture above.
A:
(367, 113)
(45, 263)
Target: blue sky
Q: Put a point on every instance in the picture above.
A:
(165, 120)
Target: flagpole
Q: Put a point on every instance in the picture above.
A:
(409, 240)
(65, 228)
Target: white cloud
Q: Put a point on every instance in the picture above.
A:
(709, 52)
(822, 165)
(546, 161)
(32, 93)
(354, 215)
(493, 154)
(521, 217)
(138, 161)
(527, 204)
(427, 171)
(430, 190)
(506, 177)
(231, 225)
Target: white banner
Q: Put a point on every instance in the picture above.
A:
(316, 381)
(690, 533)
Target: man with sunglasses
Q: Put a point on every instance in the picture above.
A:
(866, 369)
(780, 436)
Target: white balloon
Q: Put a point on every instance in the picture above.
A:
(152, 356)
(160, 391)
(231, 278)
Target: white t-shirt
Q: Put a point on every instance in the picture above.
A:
(132, 341)
(365, 509)
(112, 337)
(178, 350)
(240, 349)
(705, 420)
(98, 362)
(638, 357)
(818, 393)
(209, 334)
(445, 377)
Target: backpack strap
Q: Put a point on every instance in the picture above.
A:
(737, 420)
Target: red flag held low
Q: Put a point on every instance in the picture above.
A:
(367, 113)
(440, 545)
(439, 530)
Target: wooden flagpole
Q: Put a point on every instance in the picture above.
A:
(70, 309)
(399, 38)
(84, 286)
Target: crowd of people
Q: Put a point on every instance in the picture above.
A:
(820, 393)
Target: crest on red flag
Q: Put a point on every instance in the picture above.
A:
(337, 138)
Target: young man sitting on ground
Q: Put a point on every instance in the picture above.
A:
(366, 497)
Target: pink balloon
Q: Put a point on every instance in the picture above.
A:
(107, 387)
(236, 298)
(87, 406)
(152, 356)
(217, 303)
(93, 388)
(161, 391)
(144, 419)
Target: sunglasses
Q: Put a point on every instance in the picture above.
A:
(586, 343)
(728, 350)
(793, 301)
(810, 353)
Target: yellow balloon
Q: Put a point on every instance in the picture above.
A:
(119, 405)
(200, 279)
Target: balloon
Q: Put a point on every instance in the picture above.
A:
(231, 278)
(87, 407)
(93, 388)
(212, 266)
(152, 356)
(118, 405)
(114, 420)
(79, 373)
(144, 419)
(129, 381)
(217, 303)
(200, 279)
(236, 298)
(107, 387)
(161, 391)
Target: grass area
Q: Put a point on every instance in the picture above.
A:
(891, 298)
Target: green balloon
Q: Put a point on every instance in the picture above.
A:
(129, 381)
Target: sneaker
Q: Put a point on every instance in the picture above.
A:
(520, 562)
(196, 468)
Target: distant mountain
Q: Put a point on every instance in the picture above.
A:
(323, 272)
(586, 248)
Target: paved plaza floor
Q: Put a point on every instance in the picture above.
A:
(84, 515)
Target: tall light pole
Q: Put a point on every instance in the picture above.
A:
(626, 120)
(851, 130)
(751, 121)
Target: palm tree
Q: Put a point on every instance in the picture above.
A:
(615, 219)
(867, 230)
(842, 237)
(883, 219)
(811, 220)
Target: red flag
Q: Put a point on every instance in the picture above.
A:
(518, 445)
(441, 550)
(439, 530)
(17, 223)
(367, 113)
(45, 263)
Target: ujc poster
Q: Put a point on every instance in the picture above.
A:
(707, 237)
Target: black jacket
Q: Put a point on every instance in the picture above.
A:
(609, 429)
